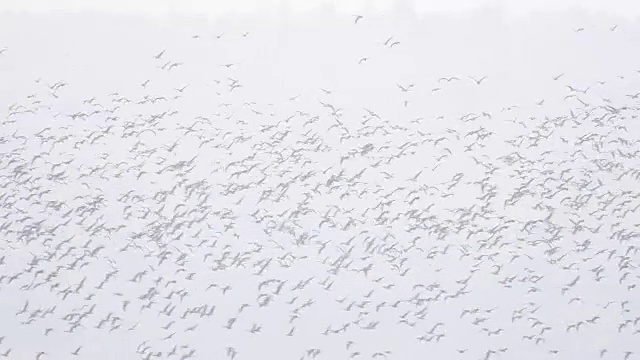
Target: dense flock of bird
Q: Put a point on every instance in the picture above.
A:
(320, 231)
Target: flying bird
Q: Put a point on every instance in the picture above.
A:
(478, 81)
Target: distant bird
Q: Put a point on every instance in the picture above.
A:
(478, 81)
(357, 18)
(405, 88)
(602, 352)
(174, 65)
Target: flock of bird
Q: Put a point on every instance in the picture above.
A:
(316, 232)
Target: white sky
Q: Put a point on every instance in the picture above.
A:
(214, 8)
(98, 54)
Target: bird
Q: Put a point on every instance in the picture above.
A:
(478, 81)
(602, 352)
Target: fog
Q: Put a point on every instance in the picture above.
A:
(306, 180)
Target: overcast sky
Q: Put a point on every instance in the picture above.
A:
(541, 61)
(625, 8)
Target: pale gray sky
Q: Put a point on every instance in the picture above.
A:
(215, 8)
(562, 79)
